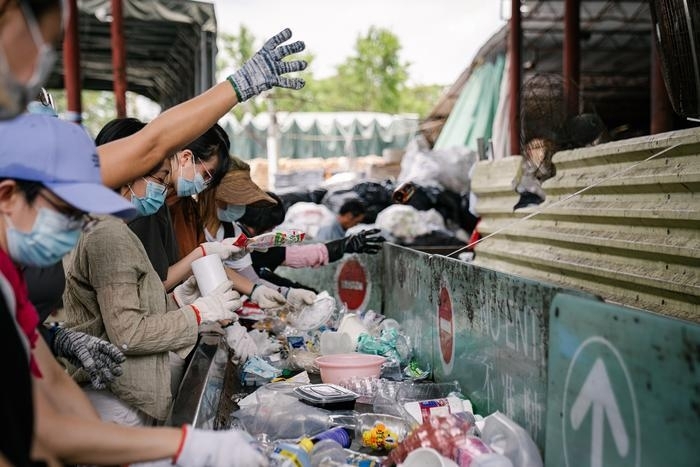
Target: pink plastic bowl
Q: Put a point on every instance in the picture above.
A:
(336, 368)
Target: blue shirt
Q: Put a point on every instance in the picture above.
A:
(331, 231)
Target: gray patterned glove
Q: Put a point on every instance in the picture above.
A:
(99, 358)
(265, 69)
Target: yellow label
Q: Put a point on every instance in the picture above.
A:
(379, 437)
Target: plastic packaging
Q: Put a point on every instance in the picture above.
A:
(332, 342)
(270, 239)
(469, 449)
(443, 434)
(352, 325)
(427, 457)
(313, 316)
(370, 387)
(380, 432)
(422, 410)
(506, 437)
(327, 396)
(280, 416)
(327, 452)
(288, 455)
(338, 434)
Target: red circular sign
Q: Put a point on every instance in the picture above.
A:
(352, 284)
(445, 325)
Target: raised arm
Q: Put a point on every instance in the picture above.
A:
(128, 158)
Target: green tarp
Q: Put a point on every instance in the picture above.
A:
(474, 112)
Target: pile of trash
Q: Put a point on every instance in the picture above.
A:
(439, 181)
(394, 417)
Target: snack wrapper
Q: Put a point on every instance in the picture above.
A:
(270, 239)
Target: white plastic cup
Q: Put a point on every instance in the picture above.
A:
(427, 457)
(209, 273)
(353, 326)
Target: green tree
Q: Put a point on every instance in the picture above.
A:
(374, 78)
(420, 99)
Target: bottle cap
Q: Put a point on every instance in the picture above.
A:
(306, 444)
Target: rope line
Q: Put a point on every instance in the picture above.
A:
(563, 200)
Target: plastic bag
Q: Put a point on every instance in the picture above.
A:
(506, 437)
(281, 416)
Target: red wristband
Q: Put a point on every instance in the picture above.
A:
(204, 252)
(181, 445)
(197, 314)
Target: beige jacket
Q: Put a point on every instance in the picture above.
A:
(113, 292)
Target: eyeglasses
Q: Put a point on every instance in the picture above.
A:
(165, 181)
(209, 176)
(77, 219)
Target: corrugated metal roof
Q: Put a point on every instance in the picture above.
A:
(633, 239)
(170, 48)
(615, 58)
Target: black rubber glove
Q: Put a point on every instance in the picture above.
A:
(367, 241)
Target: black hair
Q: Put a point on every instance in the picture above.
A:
(29, 188)
(213, 143)
(264, 219)
(117, 129)
(40, 7)
(354, 206)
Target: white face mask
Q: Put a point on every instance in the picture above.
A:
(14, 96)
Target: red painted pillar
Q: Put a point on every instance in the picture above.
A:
(572, 55)
(661, 110)
(514, 48)
(71, 63)
(118, 58)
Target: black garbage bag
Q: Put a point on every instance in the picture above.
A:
(376, 197)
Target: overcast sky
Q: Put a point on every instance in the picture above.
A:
(439, 37)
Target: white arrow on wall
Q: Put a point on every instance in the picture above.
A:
(597, 392)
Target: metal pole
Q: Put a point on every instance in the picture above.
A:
(118, 58)
(572, 55)
(272, 145)
(661, 111)
(514, 45)
(71, 64)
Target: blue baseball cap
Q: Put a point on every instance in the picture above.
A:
(63, 157)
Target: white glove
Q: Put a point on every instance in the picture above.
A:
(266, 344)
(206, 448)
(240, 342)
(219, 305)
(187, 292)
(225, 249)
(266, 297)
(299, 298)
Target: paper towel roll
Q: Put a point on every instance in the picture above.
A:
(209, 273)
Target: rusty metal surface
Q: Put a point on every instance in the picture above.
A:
(495, 343)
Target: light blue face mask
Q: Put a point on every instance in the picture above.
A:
(152, 201)
(187, 187)
(232, 213)
(52, 236)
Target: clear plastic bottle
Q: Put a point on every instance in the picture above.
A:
(327, 453)
(283, 454)
(380, 432)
